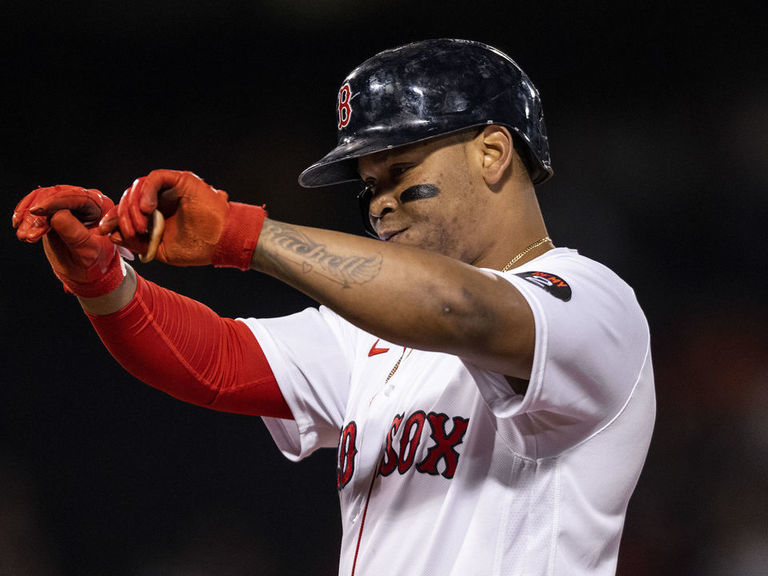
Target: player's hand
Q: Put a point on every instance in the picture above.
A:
(201, 226)
(65, 217)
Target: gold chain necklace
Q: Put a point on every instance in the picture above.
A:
(389, 387)
(524, 252)
(397, 364)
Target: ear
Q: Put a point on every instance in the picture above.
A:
(498, 152)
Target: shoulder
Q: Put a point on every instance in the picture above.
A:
(580, 303)
(568, 262)
(566, 276)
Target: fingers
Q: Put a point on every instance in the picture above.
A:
(128, 226)
(23, 206)
(32, 215)
(168, 181)
(71, 231)
(133, 204)
(130, 217)
(117, 238)
(31, 228)
(130, 222)
(124, 221)
(109, 222)
(141, 199)
(87, 205)
(110, 226)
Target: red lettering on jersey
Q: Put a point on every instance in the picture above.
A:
(551, 279)
(344, 108)
(389, 459)
(347, 453)
(410, 442)
(443, 449)
(445, 445)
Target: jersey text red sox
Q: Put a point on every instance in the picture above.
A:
(403, 440)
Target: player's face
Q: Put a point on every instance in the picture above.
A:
(424, 195)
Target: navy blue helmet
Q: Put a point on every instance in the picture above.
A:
(427, 89)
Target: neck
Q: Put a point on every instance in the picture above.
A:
(519, 232)
(542, 245)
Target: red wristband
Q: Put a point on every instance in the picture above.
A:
(241, 233)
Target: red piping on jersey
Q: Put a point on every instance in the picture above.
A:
(362, 523)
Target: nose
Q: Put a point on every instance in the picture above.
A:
(381, 204)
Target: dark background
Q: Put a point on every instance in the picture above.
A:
(657, 118)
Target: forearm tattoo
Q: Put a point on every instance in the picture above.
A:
(294, 246)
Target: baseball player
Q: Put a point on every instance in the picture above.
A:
(490, 396)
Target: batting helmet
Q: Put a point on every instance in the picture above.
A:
(427, 89)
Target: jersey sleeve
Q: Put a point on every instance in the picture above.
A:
(592, 349)
(308, 353)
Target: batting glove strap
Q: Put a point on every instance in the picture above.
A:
(103, 281)
(239, 237)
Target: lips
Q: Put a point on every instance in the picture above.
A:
(389, 235)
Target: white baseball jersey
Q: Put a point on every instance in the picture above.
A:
(442, 468)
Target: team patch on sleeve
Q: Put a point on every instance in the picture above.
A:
(553, 284)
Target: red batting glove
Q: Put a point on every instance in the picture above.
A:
(201, 225)
(65, 217)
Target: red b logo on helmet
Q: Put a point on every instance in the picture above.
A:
(345, 108)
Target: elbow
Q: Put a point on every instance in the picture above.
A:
(463, 316)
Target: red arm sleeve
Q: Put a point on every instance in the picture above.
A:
(183, 348)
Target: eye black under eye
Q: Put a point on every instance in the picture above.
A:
(419, 192)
